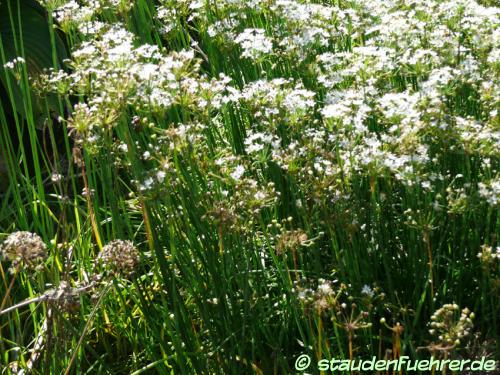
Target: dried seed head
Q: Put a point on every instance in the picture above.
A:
(24, 249)
(120, 257)
(290, 240)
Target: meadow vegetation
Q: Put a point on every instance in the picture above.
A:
(216, 187)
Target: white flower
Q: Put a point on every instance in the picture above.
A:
(367, 291)
(238, 172)
(254, 43)
(490, 191)
(160, 176)
(123, 147)
(11, 64)
(325, 288)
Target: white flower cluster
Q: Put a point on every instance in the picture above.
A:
(489, 255)
(277, 98)
(14, 62)
(254, 42)
(112, 74)
(170, 13)
(380, 89)
(490, 191)
(81, 15)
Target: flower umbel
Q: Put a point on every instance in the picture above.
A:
(451, 325)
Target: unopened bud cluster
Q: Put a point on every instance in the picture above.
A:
(450, 327)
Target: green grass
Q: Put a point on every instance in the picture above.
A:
(204, 298)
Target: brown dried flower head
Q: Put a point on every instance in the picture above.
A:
(290, 240)
(120, 257)
(24, 249)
